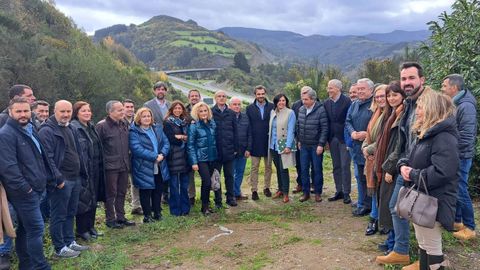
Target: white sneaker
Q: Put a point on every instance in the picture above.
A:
(66, 252)
(76, 247)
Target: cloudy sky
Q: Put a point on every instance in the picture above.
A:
(302, 16)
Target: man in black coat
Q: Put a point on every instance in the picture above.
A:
(25, 172)
(336, 107)
(244, 143)
(466, 116)
(62, 146)
(227, 145)
(312, 135)
(259, 117)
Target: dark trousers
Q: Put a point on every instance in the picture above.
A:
(227, 167)
(282, 174)
(341, 166)
(179, 203)
(116, 185)
(205, 169)
(86, 221)
(63, 207)
(29, 241)
(151, 199)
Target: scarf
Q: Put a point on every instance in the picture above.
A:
(383, 141)
(373, 129)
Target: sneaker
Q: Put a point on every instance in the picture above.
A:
(66, 252)
(76, 247)
(267, 192)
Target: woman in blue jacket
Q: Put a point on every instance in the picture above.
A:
(149, 148)
(202, 150)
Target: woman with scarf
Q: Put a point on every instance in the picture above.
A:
(175, 127)
(381, 112)
(386, 161)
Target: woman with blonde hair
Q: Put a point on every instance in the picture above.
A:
(202, 150)
(381, 111)
(434, 158)
(149, 147)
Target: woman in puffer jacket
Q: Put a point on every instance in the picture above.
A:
(434, 158)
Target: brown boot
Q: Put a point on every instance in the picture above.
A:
(298, 189)
(277, 195)
(318, 197)
(393, 258)
(458, 226)
(413, 266)
(304, 198)
(465, 234)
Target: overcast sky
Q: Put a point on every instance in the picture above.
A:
(302, 16)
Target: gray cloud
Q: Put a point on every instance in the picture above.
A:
(302, 16)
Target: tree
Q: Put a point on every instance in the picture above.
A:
(240, 62)
(454, 47)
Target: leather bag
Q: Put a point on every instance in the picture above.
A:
(416, 206)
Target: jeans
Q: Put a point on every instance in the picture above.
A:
(45, 206)
(63, 206)
(374, 213)
(6, 247)
(298, 166)
(464, 211)
(390, 241)
(282, 174)
(364, 201)
(238, 170)
(179, 203)
(29, 241)
(400, 226)
(309, 157)
(151, 199)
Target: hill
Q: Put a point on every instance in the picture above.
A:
(41, 47)
(164, 42)
(346, 52)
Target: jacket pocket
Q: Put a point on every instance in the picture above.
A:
(112, 162)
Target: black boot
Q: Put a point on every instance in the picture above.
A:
(423, 259)
(206, 210)
(434, 259)
(372, 227)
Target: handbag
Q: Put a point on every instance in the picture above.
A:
(215, 180)
(416, 206)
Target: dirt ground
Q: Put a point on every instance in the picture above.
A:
(329, 237)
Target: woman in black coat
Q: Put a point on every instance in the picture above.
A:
(175, 127)
(92, 157)
(435, 159)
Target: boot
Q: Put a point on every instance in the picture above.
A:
(393, 258)
(206, 210)
(413, 266)
(458, 226)
(465, 234)
(435, 262)
(423, 259)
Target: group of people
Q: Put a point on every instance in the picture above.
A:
(59, 167)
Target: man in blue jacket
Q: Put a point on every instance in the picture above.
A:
(62, 147)
(453, 86)
(25, 172)
(356, 124)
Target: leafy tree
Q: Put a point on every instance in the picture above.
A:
(240, 62)
(454, 47)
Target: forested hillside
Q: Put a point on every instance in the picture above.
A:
(41, 47)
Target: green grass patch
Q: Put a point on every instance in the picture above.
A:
(257, 262)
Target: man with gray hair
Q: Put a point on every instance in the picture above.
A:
(336, 107)
(312, 135)
(113, 133)
(453, 86)
(356, 124)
